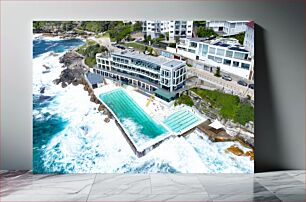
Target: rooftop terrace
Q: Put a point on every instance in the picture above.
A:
(173, 63)
(148, 58)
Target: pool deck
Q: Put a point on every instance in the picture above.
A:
(142, 150)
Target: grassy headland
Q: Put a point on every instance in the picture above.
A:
(229, 106)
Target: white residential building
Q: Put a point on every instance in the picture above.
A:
(249, 38)
(225, 53)
(181, 29)
(248, 43)
(227, 28)
(164, 77)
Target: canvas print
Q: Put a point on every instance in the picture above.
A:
(143, 96)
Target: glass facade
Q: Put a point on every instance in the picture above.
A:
(245, 66)
(227, 62)
(241, 56)
(212, 50)
(220, 52)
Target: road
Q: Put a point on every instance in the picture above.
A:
(230, 86)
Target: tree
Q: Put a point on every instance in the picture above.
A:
(240, 37)
(137, 26)
(167, 36)
(217, 74)
(149, 38)
(160, 38)
(205, 32)
(199, 23)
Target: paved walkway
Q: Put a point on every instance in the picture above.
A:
(271, 186)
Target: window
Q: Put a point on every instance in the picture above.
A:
(218, 60)
(191, 51)
(212, 50)
(220, 52)
(211, 57)
(193, 44)
(232, 25)
(227, 62)
(239, 55)
(245, 66)
(189, 31)
(171, 31)
(189, 25)
(229, 54)
(204, 50)
(235, 64)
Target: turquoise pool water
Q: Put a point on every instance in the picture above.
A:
(180, 120)
(126, 108)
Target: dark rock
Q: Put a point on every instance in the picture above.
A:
(106, 119)
(56, 81)
(101, 107)
(42, 90)
(64, 85)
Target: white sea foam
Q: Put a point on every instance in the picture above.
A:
(88, 144)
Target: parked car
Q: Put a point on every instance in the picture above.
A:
(226, 77)
(251, 85)
(243, 83)
(121, 47)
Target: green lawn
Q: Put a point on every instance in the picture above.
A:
(184, 99)
(135, 45)
(104, 35)
(229, 106)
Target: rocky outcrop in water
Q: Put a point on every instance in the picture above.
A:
(74, 71)
(70, 57)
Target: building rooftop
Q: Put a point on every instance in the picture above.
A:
(173, 63)
(148, 58)
(238, 49)
(251, 24)
(224, 42)
(94, 78)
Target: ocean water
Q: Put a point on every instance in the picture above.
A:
(70, 135)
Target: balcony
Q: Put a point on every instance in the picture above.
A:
(133, 77)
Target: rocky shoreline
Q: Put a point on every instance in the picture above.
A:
(235, 131)
(74, 73)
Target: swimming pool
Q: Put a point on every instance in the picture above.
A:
(181, 120)
(127, 111)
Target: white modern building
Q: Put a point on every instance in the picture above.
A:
(227, 28)
(248, 42)
(181, 29)
(163, 77)
(225, 53)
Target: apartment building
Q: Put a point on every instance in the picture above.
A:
(227, 28)
(225, 53)
(175, 29)
(163, 77)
